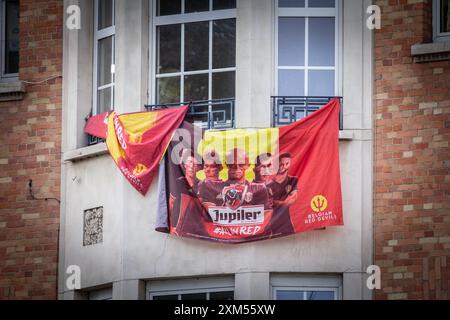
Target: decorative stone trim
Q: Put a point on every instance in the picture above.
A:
(93, 226)
(10, 91)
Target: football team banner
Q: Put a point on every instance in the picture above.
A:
(245, 185)
(138, 141)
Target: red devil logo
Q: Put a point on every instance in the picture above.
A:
(233, 196)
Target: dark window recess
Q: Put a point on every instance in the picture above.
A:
(11, 40)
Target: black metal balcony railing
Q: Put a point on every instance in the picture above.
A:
(220, 114)
(212, 114)
(288, 109)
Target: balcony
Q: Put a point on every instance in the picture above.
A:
(288, 109)
(211, 114)
(219, 114)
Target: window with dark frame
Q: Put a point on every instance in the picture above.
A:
(9, 27)
(441, 20)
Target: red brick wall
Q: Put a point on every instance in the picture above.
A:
(412, 181)
(30, 144)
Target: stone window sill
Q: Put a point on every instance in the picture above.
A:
(12, 90)
(428, 52)
(86, 152)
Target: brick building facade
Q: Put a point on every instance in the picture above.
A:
(30, 121)
(411, 174)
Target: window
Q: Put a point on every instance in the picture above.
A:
(441, 20)
(9, 10)
(214, 288)
(304, 287)
(307, 48)
(194, 50)
(104, 68)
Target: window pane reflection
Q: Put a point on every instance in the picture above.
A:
(196, 54)
(104, 61)
(291, 42)
(196, 6)
(224, 4)
(224, 43)
(168, 7)
(196, 87)
(169, 48)
(223, 85)
(291, 83)
(168, 90)
(11, 34)
(105, 13)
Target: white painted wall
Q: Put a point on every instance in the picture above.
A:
(131, 250)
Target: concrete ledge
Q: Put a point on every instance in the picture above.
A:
(12, 90)
(427, 52)
(346, 135)
(86, 152)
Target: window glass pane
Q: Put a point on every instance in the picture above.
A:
(105, 13)
(169, 48)
(104, 61)
(319, 295)
(224, 43)
(291, 83)
(225, 295)
(321, 42)
(321, 3)
(321, 83)
(167, 7)
(224, 4)
(289, 295)
(291, 42)
(104, 100)
(12, 37)
(196, 6)
(193, 296)
(223, 85)
(168, 90)
(291, 3)
(445, 16)
(196, 54)
(169, 297)
(196, 87)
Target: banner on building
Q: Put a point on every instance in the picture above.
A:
(246, 185)
(138, 141)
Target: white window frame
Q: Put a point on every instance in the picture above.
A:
(4, 76)
(99, 35)
(182, 19)
(284, 282)
(307, 13)
(189, 286)
(437, 34)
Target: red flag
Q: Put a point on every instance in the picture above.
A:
(97, 125)
(137, 142)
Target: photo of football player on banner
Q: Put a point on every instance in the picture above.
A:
(247, 185)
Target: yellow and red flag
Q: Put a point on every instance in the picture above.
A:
(137, 141)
